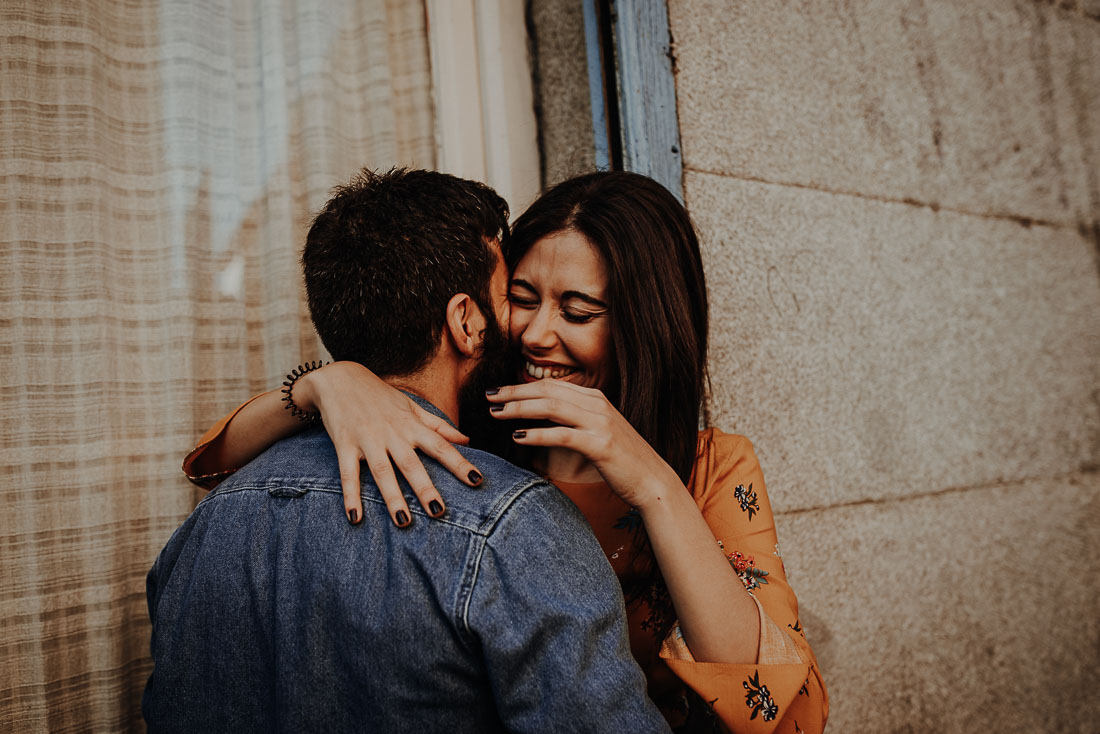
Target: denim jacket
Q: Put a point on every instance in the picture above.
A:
(270, 612)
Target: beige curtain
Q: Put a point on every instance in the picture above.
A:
(158, 165)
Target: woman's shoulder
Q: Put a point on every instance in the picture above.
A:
(721, 457)
(716, 444)
(727, 481)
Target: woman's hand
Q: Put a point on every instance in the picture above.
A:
(706, 592)
(368, 419)
(590, 425)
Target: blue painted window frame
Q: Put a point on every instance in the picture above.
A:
(644, 93)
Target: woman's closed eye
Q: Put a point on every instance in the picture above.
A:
(578, 317)
(522, 300)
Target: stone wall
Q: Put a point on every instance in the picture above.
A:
(900, 210)
(560, 74)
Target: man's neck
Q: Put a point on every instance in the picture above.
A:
(438, 386)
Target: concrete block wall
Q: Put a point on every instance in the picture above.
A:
(560, 74)
(900, 211)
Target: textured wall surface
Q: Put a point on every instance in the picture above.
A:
(900, 211)
(560, 70)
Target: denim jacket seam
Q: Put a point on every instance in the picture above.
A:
(504, 502)
(466, 589)
(482, 529)
(473, 567)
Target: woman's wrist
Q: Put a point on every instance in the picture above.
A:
(305, 392)
(659, 491)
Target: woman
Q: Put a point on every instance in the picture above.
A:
(609, 317)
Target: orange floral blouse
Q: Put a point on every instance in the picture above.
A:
(783, 691)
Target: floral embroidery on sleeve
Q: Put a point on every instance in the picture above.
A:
(747, 498)
(745, 566)
(759, 699)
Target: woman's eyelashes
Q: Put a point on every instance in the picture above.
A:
(572, 315)
(578, 317)
(518, 299)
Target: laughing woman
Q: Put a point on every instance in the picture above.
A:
(609, 324)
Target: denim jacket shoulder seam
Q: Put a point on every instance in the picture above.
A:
(469, 581)
(505, 502)
(473, 567)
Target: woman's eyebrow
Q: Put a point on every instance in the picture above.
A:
(591, 300)
(565, 296)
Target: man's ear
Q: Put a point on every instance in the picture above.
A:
(465, 324)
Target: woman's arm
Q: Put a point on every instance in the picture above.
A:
(777, 687)
(246, 433)
(366, 418)
(719, 620)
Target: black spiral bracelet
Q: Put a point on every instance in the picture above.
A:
(288, 385)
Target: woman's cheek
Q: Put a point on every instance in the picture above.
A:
(517, 324)
(592, 348)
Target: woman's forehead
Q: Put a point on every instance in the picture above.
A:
(563, 258)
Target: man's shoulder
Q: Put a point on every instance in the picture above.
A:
(307, 461)
(480, 508)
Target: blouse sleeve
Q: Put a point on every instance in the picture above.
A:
(783, 691)
(211, 437)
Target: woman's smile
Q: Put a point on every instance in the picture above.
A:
(540, 371)
(560, 316)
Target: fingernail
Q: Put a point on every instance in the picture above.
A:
(474, 477)
(519, 434)
(402, 518)
(353, 516)
(496, 408)
(435, 508)
(492, 391)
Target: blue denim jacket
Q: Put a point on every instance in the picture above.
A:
(270, 612)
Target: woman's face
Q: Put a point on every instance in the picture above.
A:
(560, 319)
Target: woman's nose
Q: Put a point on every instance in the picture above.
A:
(539, 333)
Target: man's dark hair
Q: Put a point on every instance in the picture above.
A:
(387, 253)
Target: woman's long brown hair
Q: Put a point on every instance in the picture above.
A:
(657, 300)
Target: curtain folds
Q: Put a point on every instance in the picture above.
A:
(159, 162)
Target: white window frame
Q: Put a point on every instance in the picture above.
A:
(484, 104)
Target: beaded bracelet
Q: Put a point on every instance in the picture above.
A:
(288, 385)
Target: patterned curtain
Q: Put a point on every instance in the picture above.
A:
(159, 161)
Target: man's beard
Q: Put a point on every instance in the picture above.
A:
(495, 367)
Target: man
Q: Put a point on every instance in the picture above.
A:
(271, 612)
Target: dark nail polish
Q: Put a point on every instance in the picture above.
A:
(496, 408)
(492, 391)
(474, 476)
(402, 518)
(353, 516)
(435, 508)
(519, 434)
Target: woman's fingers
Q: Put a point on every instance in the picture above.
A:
(553, 409)
(556, 436)
(348, 458)
(439, 446)
(408, 463)
(440, 426)
(386, 479)
(561, 389)
(452, 460)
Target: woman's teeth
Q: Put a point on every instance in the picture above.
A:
(553, 373)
